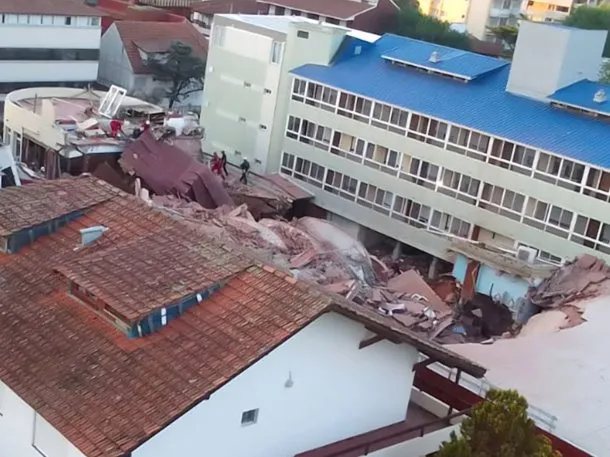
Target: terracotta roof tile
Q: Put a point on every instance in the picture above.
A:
(229, 7)
(106, 393)
(56, 7)
(157, 35)
(22, 208)
(345, 10)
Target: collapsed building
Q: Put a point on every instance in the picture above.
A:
(54, 131)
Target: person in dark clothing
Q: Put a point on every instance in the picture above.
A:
(245, 169)
(223, 162)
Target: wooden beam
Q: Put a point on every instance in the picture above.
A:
(370, 341)
(424, 363)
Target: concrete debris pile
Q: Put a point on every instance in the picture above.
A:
(563, 296)
(577, 280)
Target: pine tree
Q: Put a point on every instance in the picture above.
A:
(499, 427)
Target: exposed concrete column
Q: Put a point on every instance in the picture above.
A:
(397, 251)
(433, 268)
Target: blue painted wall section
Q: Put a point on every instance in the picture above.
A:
(503, 287)
(25, 237)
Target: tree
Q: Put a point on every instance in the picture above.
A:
(412, 23)
(604, 74)
(507, 34)
(591, 18)
(182, 70)
(498, 427)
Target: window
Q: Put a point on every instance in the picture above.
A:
(373, 197)
(262, 126)
(354, 107)
(302, 34)
(298, 89)
(598, 184)
(249, 417)
(287, 163)
(293, 128)
(592, 234)
(68, 20)
(502, 201)
(317, 93)
(382, 158)
(459, 186)
(558, 171)
(389, 118)
(411, 212)
(512, 156)
(340, 184)
(308, 171)
(550, 218)
(348, 146)
(445, 223)
(48, 54)
(467, 142)
(427, 130)
(94, 21)
(276, 52)
(422, 173)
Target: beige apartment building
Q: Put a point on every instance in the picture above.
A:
(452, 11)
(420, 143)
(482, 14)
(554, 10)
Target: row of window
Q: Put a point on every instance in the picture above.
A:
(513, 205)
(40, 19)
(49, 54)
(374, 197)
(501, 153)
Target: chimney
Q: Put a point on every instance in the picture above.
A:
(600, 96)
(91, 234)
(435, 57)
(549, 57)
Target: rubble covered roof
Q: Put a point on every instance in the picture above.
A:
(161, 33)
(23, 207)
(50, 7)
(338, 9)
(107, 394)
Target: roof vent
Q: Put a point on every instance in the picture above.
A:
(435, 57)
(91, 234)
(600, 96)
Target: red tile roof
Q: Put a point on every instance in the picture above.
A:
(107, 394)
(163, 33)
(229, 7)
(51, 7)
(344, 10)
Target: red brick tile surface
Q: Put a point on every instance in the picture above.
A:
(105, 393)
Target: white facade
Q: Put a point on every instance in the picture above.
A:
(24, 433)
(554, 10)
(482, 14)
(573, 56)
(316, 388)
(48, 49)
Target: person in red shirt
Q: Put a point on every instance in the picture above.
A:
(216, 165)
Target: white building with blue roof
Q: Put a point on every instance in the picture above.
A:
(414, 140)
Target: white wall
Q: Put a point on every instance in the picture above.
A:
(477, 17)
(114, 67)
(40, 71)
(17, 431)
(418, 447)
(338, 391)
(50, 37)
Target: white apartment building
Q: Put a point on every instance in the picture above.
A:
(452, 11)
(482, 14)
(246, 94)
(554, 10)
(46, 43)
(413, 140)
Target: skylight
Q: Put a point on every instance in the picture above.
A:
(454, 63)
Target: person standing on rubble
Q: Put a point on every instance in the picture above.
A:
(245, 169)
(216, 165)
(223, 161)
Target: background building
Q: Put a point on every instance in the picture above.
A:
(48, 43)
(127, 45)
(483, 14)
(553, 10)
(452, 11)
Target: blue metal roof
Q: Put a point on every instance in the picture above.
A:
(482, 104)
(463, 64)
(581, 94)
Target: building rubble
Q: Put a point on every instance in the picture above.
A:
(316, 251)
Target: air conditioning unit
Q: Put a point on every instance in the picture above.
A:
(526, 254)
